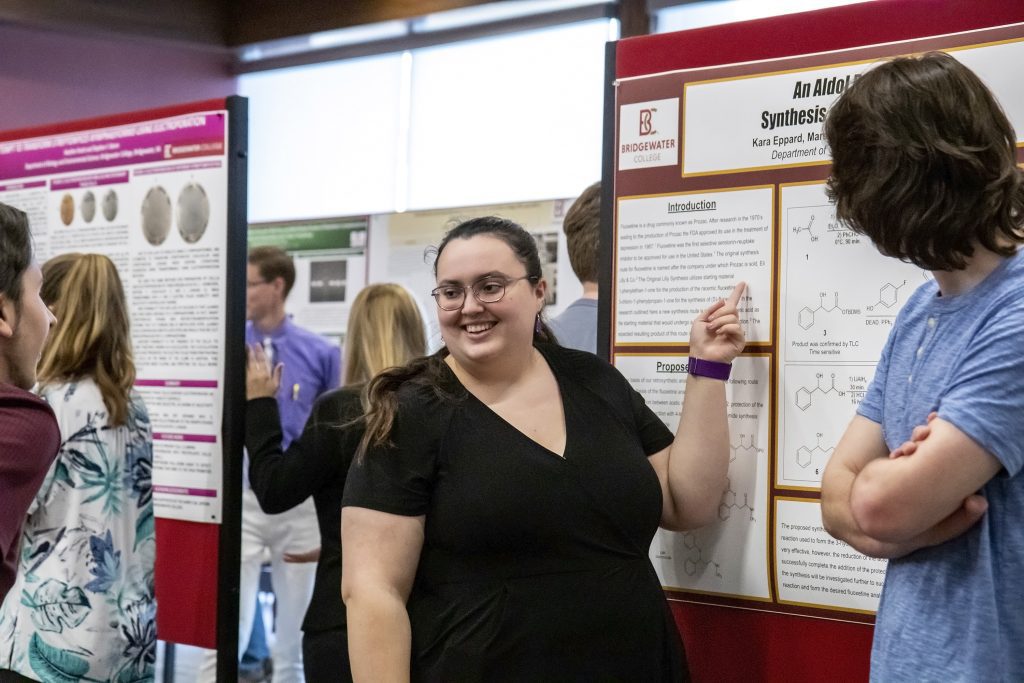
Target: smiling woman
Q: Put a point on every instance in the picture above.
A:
(499, 317)
(497, 519)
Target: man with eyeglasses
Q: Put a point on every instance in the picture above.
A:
(312, 366)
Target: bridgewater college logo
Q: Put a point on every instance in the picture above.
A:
(648, 134)
(647, 121)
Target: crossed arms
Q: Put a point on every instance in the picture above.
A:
(923, 494)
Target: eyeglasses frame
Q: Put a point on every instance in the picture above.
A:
(472, 288)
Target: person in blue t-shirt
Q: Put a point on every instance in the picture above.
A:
(576, 326)
(925, 165)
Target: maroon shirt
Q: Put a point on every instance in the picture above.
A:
(29, 440)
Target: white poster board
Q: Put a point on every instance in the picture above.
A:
(151, 195)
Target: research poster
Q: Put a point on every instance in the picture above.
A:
(721, 177)
(151, 195)
(330, 268)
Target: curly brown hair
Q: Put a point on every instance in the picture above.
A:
(924, 163)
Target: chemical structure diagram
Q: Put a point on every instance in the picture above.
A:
(695, 561)
(807, 228)
(832, 225)
(805, 396)
(806, 316)
(731, 503)
(745, 447)
(887, 295)
(730, 499)
(805, 454)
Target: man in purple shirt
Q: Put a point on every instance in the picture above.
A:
(312, 365)
(29, 436)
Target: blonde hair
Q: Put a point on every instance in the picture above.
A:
(91, 337)
(385, 330)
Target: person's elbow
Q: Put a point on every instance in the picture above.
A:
(698, 510)
(877, 512)
(270, 502)
(361, 584)
(704, 514)
(830, 521)
(834, 506)
(368, 593)
(349, 588)
(274, 506)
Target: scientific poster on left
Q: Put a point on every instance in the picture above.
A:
(151, 195)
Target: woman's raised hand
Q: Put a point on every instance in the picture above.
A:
(260, 380)
(717, 333)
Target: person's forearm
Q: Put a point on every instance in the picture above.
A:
(861, 444)
(839, 520)
(877, 508)
(873, 513)
(837, 515)
(873, 504)
(379, 638)
(896, 499)
(281, 480)
(699, 457)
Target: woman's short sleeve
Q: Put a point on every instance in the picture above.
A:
(399, 478)
(606, 381)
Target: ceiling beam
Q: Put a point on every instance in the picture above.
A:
(256, 21)
(195, 22)
(223, 25)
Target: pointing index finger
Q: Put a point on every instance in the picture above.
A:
(737, 292)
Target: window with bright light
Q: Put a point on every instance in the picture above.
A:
(507, 119)
(511, 118)
(324, 139)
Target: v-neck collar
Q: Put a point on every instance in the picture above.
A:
(561, 398)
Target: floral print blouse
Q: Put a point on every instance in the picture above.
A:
(82, 607)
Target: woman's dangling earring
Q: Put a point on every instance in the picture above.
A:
(537, 329)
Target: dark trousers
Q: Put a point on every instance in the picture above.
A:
(12, 677)
(325, 656)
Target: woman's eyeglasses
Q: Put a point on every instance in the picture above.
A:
(486, 290)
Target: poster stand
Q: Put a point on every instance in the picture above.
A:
(233, 425)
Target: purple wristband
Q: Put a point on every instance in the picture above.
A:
(708, 368)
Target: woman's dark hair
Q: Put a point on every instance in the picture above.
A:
(15, 252)
(924, 163)
(380, 396)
